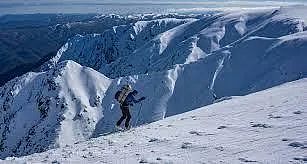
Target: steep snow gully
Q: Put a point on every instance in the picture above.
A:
(178, 64)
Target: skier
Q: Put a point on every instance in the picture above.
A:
(126, 98)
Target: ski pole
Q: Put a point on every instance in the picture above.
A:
(137, 118)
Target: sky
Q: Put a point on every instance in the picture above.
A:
(133, 6)
(36, 2)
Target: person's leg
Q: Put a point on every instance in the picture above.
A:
(128, 117)
(124, 115)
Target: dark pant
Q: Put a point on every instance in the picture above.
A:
(126, 115)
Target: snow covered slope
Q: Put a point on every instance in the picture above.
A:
(234, 70)
(265, 127)
(194, 63)
(158, 45)
(27, 41)
(43, 110)
(177, 64)
(99, 50)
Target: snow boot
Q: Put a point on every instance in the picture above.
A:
(118, 128)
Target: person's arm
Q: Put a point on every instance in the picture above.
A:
(139, 100)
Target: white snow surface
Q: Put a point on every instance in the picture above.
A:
(264, 127)
(157, 45)
(178, 64)
(45, 110)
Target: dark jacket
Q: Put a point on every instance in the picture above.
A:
(130, 100)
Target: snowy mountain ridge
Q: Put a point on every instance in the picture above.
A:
(29, 40)
(264, 127)
(99, 50)
(42, 110)
(177, 64)
(161, 47)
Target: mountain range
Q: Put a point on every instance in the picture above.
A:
(179, 63)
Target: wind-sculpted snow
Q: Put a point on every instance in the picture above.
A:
(177, 64)
(239, 71)
(44, 110)
(129, 50)
(228, 72)
(221, 55)
(99, 51)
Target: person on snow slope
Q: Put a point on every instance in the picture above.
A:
(126, 98)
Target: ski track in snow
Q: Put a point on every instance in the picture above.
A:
(264, 127)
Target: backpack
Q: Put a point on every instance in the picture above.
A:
(122, 94)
